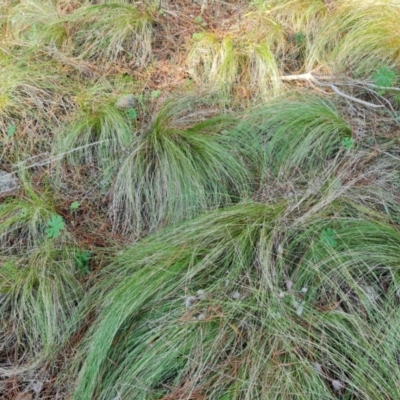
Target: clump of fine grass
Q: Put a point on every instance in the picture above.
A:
(111, 31)
(38, 23)
(107, 32)
(301, 21)
(96, 133)
(296, 15)
(34, 101)
(186, 162)
(24, 219)
(346, 42)
(300, 133)
(241, 58)
(295, 297)
(40, 292)
(239, 304)
(31, 95)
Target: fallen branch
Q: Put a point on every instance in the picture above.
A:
(372, 85)
(313, 80)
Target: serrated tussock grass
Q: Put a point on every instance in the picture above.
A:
(301, 21)
(38, 23)
(96, 133)
(303, 132)
(300, 16)
(110, 31)
(40, 293)
(31, 95)
(239, 59)
(186, 162)
(106, 32)
(261, 245)
(346, 42)
(23, 219)
(240, 304)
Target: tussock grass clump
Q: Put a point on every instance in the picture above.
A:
(300, 133)
(39, 292)
(239, 59)
(23, 219)
(111, 31)
(297, 15)
(37, 23)
(301, 20)
(96, 133)
(106, 32)
(240, 304)
(379, 185)
(31, 95)
(265, 262)
(346, 42)
(185, 163)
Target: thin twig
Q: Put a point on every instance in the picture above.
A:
(312, 79)
(346, 96)
(396, 89)
(54, 158)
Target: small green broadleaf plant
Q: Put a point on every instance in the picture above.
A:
(384, 78)
(347, 143)
(200, 21)
(327, 237)
(155, 94)
(54, 226)
(11, 130)
(132, 114)
(74, 205)
(197, 36)
(299, 38)
(82, 261)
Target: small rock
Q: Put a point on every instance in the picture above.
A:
(8, 181)
(37, 386)
(190, 300)
(127, 101)
(304, 290)
(276, 315)
(337, 385)
(201, 295)
(236, 295)
(317, 367)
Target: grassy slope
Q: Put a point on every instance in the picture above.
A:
(198, 217)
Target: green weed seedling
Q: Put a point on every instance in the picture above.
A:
(11, 130)
(132, 114)
(299, 38)
(155, 94)
(200, 21)
(54, 226)
(74, 206)
(82, 259)
(197, 36)
(347, 143)
(384, 78)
